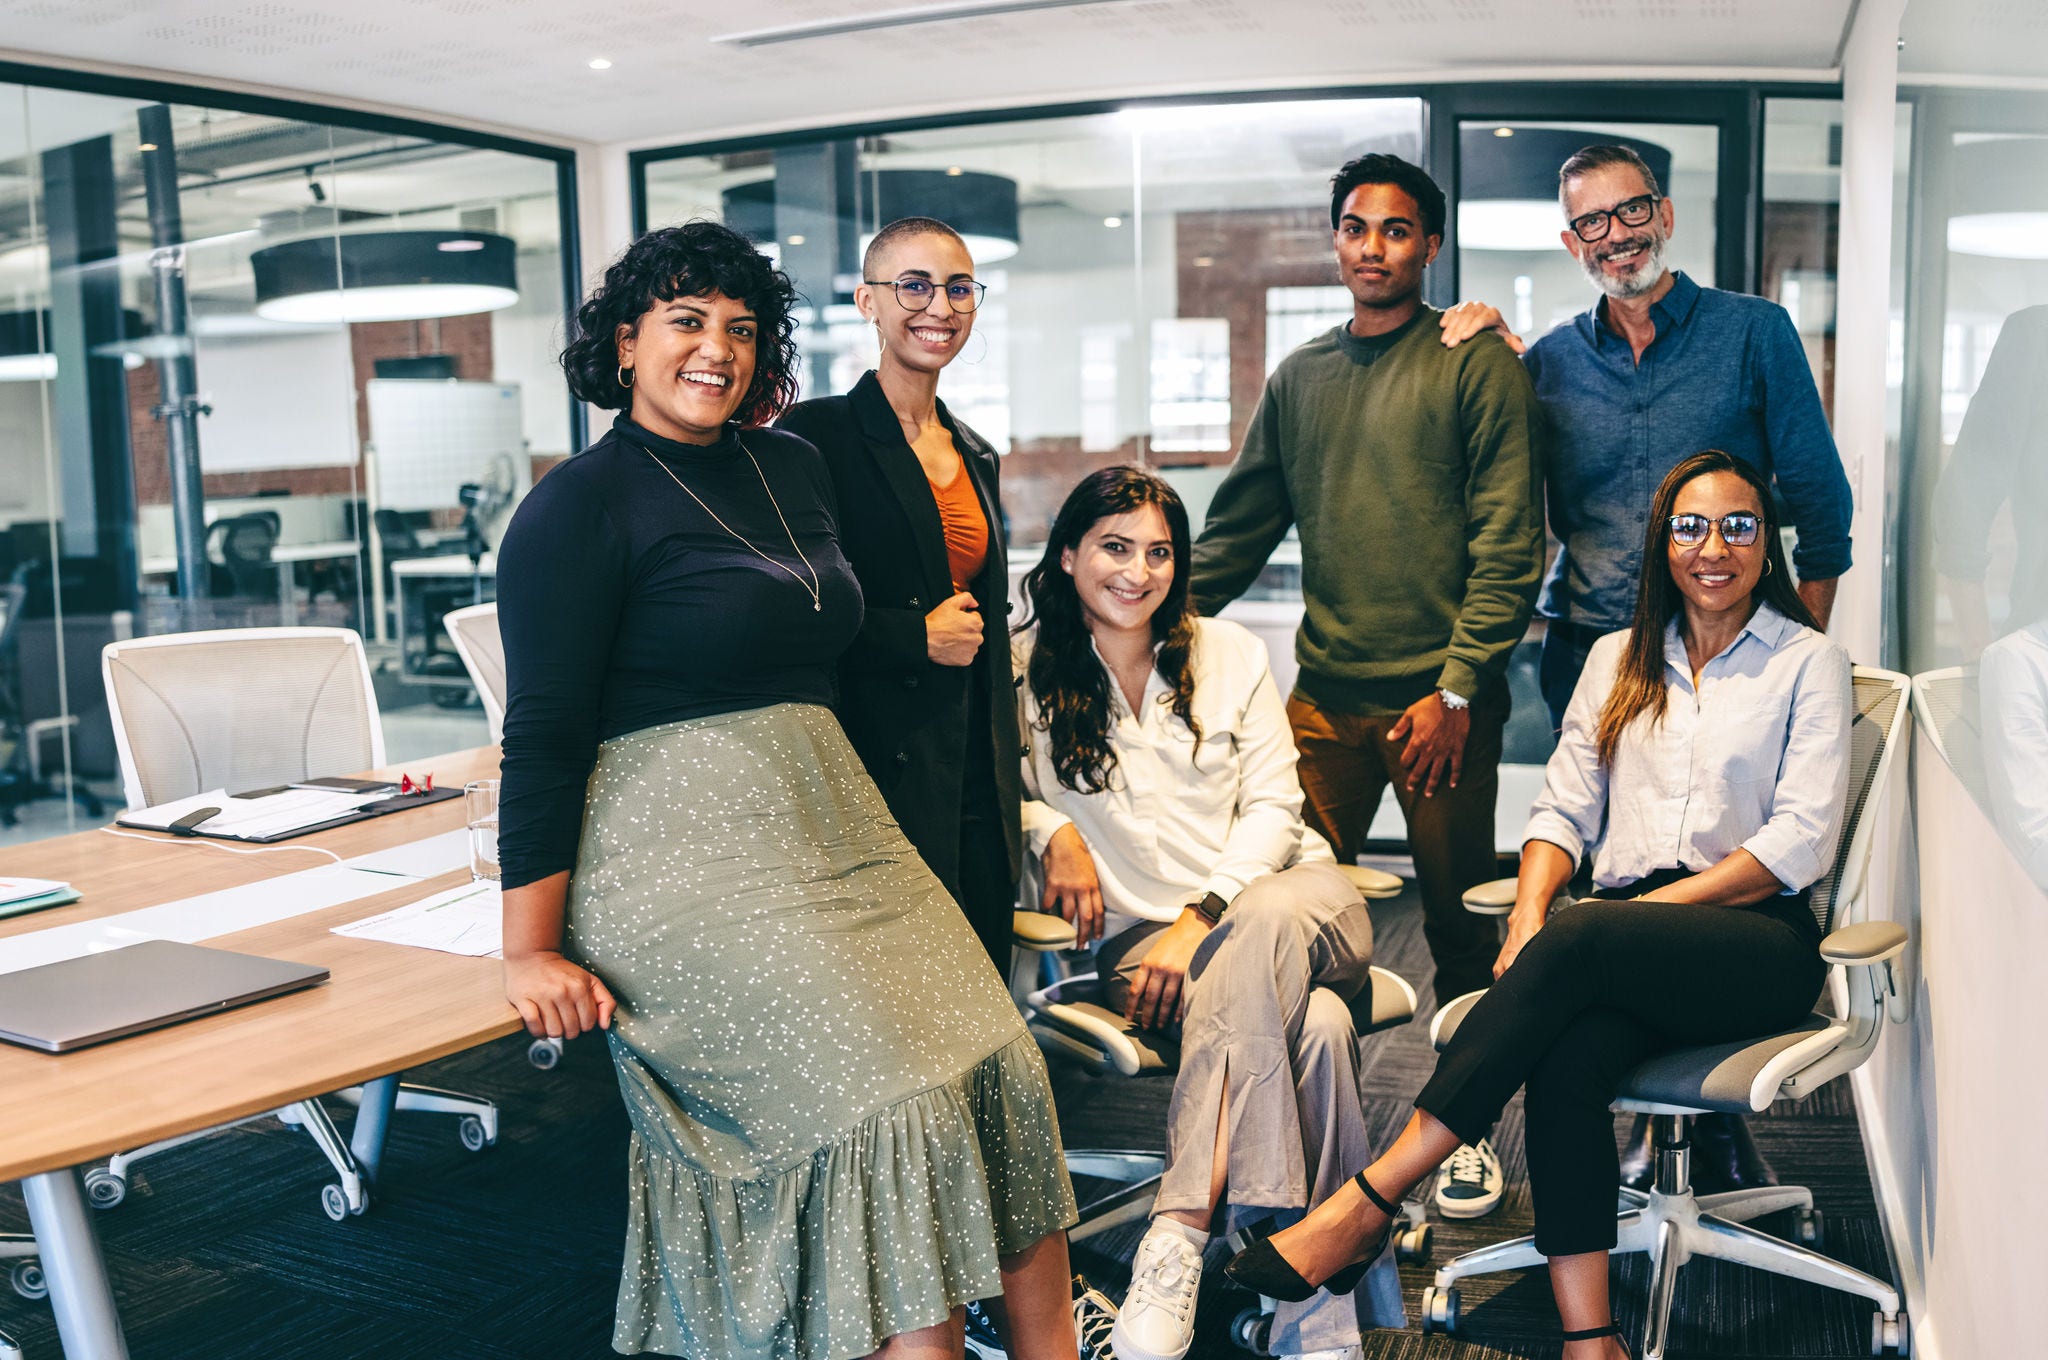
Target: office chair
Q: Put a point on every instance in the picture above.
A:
(1069, 1022)
(21, 771)
(1670, 1222)
(474, 631)
(247, 708)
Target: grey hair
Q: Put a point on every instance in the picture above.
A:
(1587, 159)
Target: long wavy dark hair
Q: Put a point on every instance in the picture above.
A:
(687, 261)
(1066, 676)
(1639, 683)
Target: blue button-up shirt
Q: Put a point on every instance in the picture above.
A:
(1755, 758)
(1725, 371)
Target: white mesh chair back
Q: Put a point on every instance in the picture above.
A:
(474, 631)
(239, 708)
(1880, 704)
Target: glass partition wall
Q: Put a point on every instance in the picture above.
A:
(1150, 265)
(250, 363)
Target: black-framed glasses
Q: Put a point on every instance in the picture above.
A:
(1631, 212)
(914, 294)
(1738, 530)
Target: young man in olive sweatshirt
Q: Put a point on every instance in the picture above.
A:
(1413, 472)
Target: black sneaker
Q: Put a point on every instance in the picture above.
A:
(1094, 1316)
(1470, 1184)
(982, 1341)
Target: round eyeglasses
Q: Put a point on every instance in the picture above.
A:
(1738, 530)
(914, 294)
(1631, 212)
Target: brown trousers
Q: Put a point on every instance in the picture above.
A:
(1347, 761)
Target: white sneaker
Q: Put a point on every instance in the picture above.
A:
(1470, 1184)
(1094, 1317)
(1157, 1321)
(1354, 1352)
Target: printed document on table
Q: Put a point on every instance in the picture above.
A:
(465, 920)
(252, 819)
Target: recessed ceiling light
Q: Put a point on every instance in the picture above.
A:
(955, 170)
(797, 239)
(1203, 261)
(600, 64)
(1112, 221)
(1503, 132)
(146, 146)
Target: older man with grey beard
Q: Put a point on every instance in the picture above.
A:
(1657, 369)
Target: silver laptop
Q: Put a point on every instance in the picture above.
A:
(87, 1000)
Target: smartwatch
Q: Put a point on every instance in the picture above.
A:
(1210, 909)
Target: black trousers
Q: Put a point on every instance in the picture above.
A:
(1603, 986)
(988, 893)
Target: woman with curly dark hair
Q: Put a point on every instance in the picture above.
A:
(1163, 810)
(841, 1132)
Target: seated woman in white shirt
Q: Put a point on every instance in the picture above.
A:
(1162, 805)
(1704, 761)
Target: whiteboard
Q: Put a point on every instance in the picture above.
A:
(427, 438)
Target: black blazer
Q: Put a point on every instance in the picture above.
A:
(906, 715)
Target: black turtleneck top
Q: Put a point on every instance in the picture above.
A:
(623, 605)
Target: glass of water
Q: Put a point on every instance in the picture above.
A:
(480, 801)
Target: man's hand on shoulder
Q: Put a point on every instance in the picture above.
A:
(1468, 319)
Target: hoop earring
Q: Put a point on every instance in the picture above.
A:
(984, 350)
(625, 376)
(1769, 566)
(881, 340)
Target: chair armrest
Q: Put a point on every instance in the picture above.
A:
(1372, 884)
(1865, 942)
(1491, 899)
(1041, 932)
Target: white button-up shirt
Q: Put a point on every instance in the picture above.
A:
(1180, 818)
(1756, 759)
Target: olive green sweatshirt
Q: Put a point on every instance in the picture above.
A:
(1414, 474)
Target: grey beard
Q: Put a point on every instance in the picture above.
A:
(1642, 281)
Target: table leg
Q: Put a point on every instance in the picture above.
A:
(287, 594)
(373, 1122)
(79, 1293)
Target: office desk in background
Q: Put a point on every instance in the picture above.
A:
(387, 1008)
(420, 573)
(286, 556)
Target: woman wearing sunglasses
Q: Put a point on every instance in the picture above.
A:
(1704, 764)
(920, 523)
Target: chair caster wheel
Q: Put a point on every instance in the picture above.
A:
(1440, 1309)
(1807, 1228)
(1412, 1245)
(105, 1188)
(1252, 1330)
(334, 1203)
(543, 1054)
(1891, 1336)
(28, 1281)
(471, 1131)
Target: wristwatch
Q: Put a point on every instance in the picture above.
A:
(1453, 702)
(1210, 909)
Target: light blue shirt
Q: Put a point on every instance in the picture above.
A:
(1756, 759)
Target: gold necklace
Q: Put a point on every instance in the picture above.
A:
(811, 586)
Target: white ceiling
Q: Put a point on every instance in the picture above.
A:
(523, 64)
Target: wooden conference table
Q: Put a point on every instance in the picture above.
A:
(386, 1008)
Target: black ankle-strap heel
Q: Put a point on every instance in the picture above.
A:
(1595, 1333)
(1265, 1271)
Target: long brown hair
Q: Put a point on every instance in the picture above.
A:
(1066, 676)
(1639, 681)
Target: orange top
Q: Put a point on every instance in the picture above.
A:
(966, 527)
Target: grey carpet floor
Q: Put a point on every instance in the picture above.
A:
(221, 1251)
